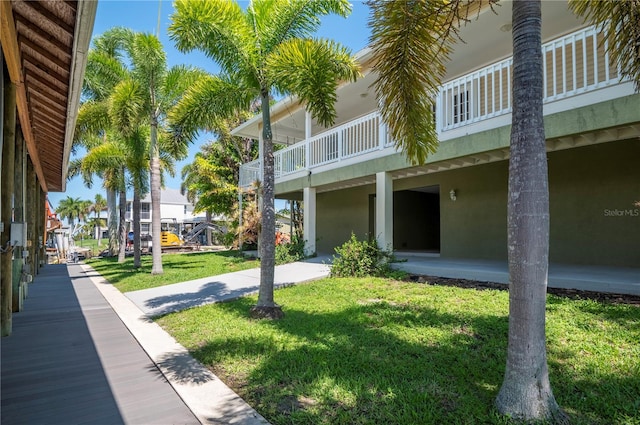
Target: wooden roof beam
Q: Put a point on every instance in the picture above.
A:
(12, 58)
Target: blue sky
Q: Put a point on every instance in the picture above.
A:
(142, 16)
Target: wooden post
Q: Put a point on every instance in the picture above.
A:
(18, 216)
(6, 193)
(40, 226)
(2, 91)
(32, 234)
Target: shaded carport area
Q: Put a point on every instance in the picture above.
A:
(606, 279)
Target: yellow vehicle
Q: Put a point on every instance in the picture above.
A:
(170, 233)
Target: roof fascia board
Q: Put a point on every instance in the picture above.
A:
(85, 18)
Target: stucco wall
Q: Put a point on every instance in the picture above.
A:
(339, 213)
(592, 194)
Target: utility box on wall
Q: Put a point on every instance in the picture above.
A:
(18, 234)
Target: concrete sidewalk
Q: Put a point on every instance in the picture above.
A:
(194, 293)
(210, 400)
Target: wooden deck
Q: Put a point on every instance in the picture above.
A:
(70, 360)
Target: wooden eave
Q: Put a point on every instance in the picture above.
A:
(44, 43)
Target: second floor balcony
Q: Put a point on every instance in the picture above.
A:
(577, 72)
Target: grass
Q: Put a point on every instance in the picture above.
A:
(176, 268)
(93, 245)
(376, 351)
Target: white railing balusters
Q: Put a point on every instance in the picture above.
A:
(477, 96)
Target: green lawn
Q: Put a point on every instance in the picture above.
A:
(176, 268)
(93, 245)
(376, 351)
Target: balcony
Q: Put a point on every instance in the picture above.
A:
(576, 69)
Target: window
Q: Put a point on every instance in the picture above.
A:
(145, 213)
(460, 107)
(144, 228)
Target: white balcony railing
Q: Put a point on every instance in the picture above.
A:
(573, 65)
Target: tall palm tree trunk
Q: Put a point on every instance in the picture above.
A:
(112, 222)
(155, 199)
(98, 229)
(266, 307)
(136, 228)
(122, 228)
(526, 392)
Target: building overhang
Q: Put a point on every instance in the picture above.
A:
(45, 45)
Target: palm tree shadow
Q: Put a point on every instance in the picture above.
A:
(382, 371)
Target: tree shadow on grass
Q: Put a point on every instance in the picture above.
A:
(380, 362)
(366, 364)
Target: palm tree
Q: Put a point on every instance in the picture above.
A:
(152, 90)
(428, 29)
(70, 209)
(262, 50)
(99, 205)
(412, 40)
(109, 159)
(112, 121)
(104, 71)
(526, 391)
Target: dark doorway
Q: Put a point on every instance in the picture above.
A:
(416, 219)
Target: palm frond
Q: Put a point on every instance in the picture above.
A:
(113, 42)
(208, 100)
(127, 106)
(220, 30)
(284, 20)
(178, 80)
(102, 73)
(409, 38)
(107, 156)
(312, 69)
(148, 61)
(619, 21)
(93, 119)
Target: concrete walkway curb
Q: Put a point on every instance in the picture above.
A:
(208, 290)
(211, 401)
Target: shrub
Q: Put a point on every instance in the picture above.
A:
(361, 258)
(290, 251)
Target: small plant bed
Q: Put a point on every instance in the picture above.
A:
(382, 351)
(176, 268)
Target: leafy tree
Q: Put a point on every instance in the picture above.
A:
(263, 50)
(211, 180)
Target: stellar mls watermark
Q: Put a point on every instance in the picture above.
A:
(632, 212)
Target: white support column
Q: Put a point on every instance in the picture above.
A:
(384, 210)
(240, 212)
(261, 155)
(307, 136)
(309, 220)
